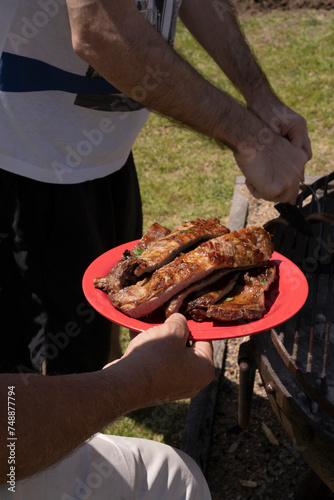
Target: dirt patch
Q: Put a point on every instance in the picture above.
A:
(259, 211)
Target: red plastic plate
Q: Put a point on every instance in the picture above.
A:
(284, 299)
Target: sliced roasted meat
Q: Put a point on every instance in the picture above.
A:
(154, 233)
(239, 249)
(259, 237)
(245, 301)
(121, 274)
(212, 294)
(221, 281)
(164, 250)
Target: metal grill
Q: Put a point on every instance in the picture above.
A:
(296, 359)
(306, 342)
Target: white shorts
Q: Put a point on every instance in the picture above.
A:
(114, 467)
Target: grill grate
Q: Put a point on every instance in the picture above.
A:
(306, 342)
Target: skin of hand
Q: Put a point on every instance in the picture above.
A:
(283, 120)
(291, 151)
(273, 167)
(184, 371)
(55, 415)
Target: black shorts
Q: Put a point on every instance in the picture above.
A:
(49, 234)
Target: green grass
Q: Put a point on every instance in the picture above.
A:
(183, 175)
(164, 423)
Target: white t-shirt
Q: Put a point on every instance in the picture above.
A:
(60, 121)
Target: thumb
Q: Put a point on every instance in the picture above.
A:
(203, 348)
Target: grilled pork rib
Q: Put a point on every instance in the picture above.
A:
(245, 301)
(120, 274)
(245, 248)
(224, 279)
(165, 249)
(212, 294)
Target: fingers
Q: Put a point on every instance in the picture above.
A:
(203, 348)
(162, 365)
(294, 128)
(204, 352)
(176, 325)
(178, 320)
(200, 348)
(307, 148)
(287, 123)
(300, 139)
(276, 172)
(285, 196)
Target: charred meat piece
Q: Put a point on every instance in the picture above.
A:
(154, 233)
(120, 274)
(240, 249)
(245, 301)
(223, 280)
(164, 250)
(212, 294)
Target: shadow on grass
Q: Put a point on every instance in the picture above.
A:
(164, 423)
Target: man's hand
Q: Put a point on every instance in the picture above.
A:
(163, 367)
(284, 121)
(273, 168)
(273, 161)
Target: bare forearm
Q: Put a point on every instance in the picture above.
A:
(53, 416)
(135, 59)
(214, 24)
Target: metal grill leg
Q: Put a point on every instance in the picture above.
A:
(246, 385)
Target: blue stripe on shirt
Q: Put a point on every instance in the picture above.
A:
(24, 74)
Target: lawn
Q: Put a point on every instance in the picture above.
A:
(183, 175)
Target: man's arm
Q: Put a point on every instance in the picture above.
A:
(214, 24)
(55, 415)
(116, 40)
(121, 45)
